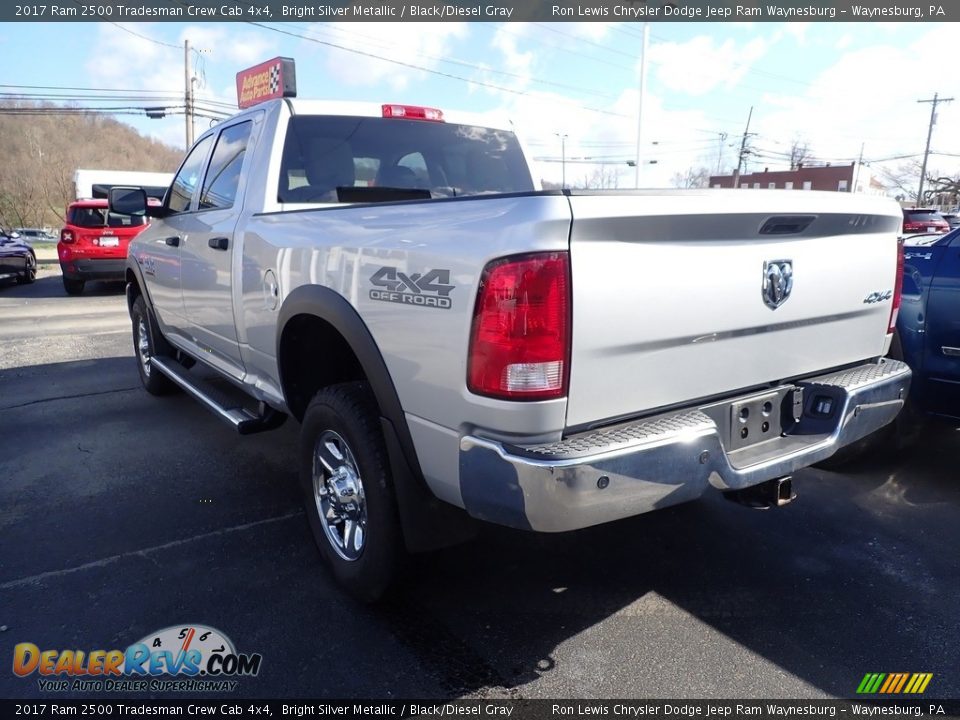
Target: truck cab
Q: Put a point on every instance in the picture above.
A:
(928, 325)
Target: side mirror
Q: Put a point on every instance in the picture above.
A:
(128, 201)
(132, 201)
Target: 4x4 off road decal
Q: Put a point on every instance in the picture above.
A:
(430, 289)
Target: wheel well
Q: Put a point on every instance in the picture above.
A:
(133, 291)
(312, 355)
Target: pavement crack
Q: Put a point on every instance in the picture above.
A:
(68, 397)
(144, 553)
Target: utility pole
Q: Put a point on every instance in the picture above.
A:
(721, 139)
(643, 78)
(188, 93)
(933, 120)
(856, 175)
(743, 150)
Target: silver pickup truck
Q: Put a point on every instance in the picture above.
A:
(457, 343)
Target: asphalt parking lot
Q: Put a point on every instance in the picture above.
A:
(121, 514)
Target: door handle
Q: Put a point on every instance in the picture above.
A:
(218, 243)
(173, 241)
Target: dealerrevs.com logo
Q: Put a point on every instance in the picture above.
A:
(180, 658)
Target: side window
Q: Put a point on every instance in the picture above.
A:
(187, 180)
(223, 174)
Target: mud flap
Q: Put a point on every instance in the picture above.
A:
(427, 522)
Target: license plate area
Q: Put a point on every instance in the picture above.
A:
(756, 419)
(109, 242)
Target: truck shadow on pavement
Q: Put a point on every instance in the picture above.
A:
(702, 600)
(155, 514)
(51, 286)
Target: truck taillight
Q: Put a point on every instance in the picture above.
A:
(520, 340)
(66, 236)
(412, 112)
(897, 289)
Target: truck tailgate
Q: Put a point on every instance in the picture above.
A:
(668, 298)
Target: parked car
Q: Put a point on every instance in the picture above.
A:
(93, 243)
(36, 235)
(952, 219)
(923, 220)
(18, 261)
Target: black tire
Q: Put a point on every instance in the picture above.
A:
(30, 272)
(72, 286)
(147, 343)
(348, 413)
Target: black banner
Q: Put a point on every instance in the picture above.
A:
(513, 709)
(479, 10)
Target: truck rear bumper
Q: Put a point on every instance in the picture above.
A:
(633, 468)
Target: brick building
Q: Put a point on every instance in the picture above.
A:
(836, 178)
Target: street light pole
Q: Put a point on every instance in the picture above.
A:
(643, 77)
(188, 94)
(563, 158)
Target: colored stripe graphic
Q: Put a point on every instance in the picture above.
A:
(903, 680)
(894, 683)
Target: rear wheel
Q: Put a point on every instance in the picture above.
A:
(29, 272)
(348, 490)
(72, 286)
(146, 342)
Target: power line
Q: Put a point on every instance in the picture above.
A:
(432, 71)
(375, 42)
(144, 37)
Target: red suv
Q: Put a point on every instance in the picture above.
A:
(923, 220)
(93, 244)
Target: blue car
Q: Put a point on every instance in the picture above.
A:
(18, 261)
(928, 326)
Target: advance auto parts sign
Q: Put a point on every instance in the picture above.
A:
(269, 80)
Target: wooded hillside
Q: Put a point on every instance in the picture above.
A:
(39, 154)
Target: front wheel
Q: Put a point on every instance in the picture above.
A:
(29, 272)
(145, 347)
(348, 490)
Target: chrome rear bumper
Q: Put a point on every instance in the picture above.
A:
(633, 468)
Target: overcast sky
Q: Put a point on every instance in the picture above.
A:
(833, 85)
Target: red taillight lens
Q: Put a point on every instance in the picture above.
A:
(66, 236)
(520, 340)
(897, 289)
(412, 112)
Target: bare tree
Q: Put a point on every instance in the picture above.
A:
(43, 149)
(799, 153)
(942, 191)
(692, 178)
(903, 179)
(605, 177)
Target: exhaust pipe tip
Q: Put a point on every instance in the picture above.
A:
(772, 493)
